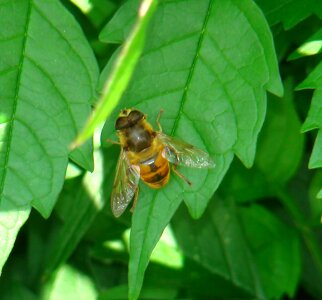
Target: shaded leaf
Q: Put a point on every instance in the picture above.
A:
(314, 118)
(279, 153)
(312, 46)
(315, 195)
(276, 248)
(17, 291)
(289, 12)
(311, 274)
(244, 185)
(150, 217)
(281, 145)
(217, 243)
(148, 293)
(80, 202)
(313, 81)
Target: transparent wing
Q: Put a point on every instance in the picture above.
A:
(125, 184)
(181, 153)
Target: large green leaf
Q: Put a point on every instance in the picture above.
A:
(290, 12)
(217, 243)
(150, 217)
(204, 81)
(199, 67)
(48, 76)
(314, 118)
(276, 249)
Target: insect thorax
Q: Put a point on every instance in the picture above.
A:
(137, 137)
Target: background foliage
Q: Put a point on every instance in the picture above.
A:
(240, 79)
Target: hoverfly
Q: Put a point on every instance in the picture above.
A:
(146, 154)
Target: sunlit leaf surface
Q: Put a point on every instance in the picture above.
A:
(49, 74)
(199, 67)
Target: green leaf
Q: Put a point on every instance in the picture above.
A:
(50, 75)
(279, 153)
(188, 71)
(11, 220)
(148, 293)
(150, 217)
(276, 248)
(281, 145)
(217, 243)
(119, 27)
(319, 195)
(316, 156)
(311, 275)
(313, 81)
(81, 200)
(121, 72)
(244, 185)
(17, 291)
(312, 46)
(69, 284)
(200, 69)
(315, 195)
(314, 118)
(289, 12)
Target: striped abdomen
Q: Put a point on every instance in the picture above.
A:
(155, 171)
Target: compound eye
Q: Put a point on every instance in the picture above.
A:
(121, 123)
(135, 116)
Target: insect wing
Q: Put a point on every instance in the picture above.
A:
(181, 153)
(125, 184)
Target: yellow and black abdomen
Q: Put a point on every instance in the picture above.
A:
(155, 171)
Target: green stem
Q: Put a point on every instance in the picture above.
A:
(301, 223)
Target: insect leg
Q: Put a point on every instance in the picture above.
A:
(136, 196)
(174, 169)
(112, 142)
(158, 119)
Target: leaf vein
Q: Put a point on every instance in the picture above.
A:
(171, 42)
(41, 13)
(15, 102)
(151, 98)
(11, 38)
(190, 75)
(42, 70)
(226, 93)
(8, 70)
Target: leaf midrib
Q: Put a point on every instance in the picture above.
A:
(184, 97)
(194, 61)
(15, 102)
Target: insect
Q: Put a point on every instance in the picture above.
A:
(147, 154)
